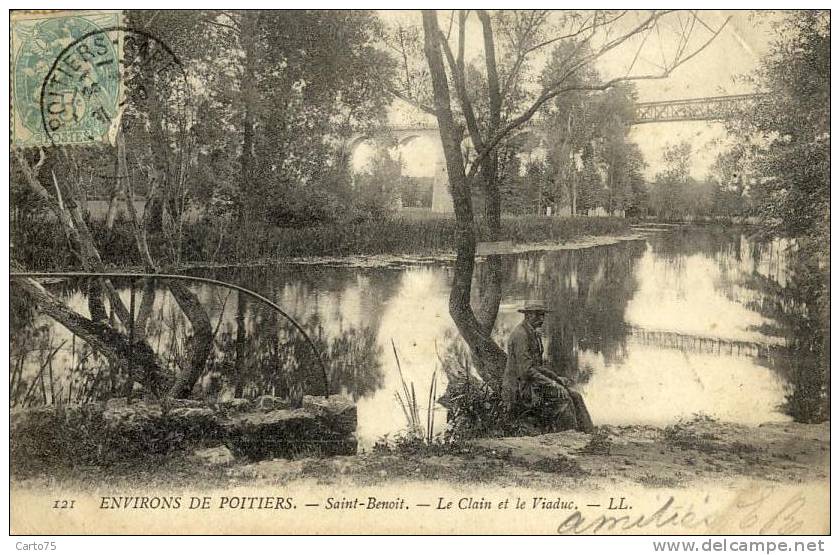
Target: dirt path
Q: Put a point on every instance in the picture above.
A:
(675, 457)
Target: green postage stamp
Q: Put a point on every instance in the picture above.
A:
(66, 77)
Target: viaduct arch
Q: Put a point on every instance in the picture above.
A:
(403, 135)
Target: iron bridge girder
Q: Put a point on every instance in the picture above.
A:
(713, 108)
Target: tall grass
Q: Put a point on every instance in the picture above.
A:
(34, 381)
(408, 401)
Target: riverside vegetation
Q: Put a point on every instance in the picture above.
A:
(39, 244)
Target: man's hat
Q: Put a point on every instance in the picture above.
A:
(535, 306)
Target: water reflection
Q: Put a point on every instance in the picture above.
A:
(617, 310)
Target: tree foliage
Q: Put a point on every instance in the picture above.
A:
(790, 131)
(792, 127)
(277, 93)
(591, 159)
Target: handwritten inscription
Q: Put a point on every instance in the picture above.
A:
(759, 510)
(764, 510)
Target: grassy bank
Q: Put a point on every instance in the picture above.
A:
(677, 456)
(41, 245)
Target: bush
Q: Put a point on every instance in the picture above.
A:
(305, 208)
(475, 410)
(65, 436)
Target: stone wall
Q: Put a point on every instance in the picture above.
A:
(122, 429)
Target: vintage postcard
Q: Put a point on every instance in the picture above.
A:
(420, 272)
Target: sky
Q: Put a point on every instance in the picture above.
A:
(714, 71)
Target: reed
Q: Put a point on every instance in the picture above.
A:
(408, 402)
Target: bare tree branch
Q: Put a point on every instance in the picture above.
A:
(703, 23)
(595, 25)
(521, 52)
(451, 21)
(219, 24)
(407, 95)
(493, 88)
(638, 51)
(589, 25)
(233, 24)
(554, 89)
(417, 104)
(456, 67)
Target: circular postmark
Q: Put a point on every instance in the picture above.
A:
(108, 78)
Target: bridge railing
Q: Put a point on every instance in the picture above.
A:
(701, 343)
(707, 108)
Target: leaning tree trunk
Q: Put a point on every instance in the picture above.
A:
(200, 343)
(137, 358)
(488, 357)
(135, 355)
(69, 216)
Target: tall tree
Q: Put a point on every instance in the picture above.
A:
(510, 41)
(792, 126)
(669, 192)
(292, 85)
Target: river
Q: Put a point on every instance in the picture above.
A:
(651, 330)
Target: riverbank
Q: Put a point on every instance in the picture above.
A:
(404, 260)
(680, 456)
(39, 245)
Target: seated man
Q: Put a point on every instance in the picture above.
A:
(532, 390)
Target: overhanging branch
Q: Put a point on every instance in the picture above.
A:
(556, 89)
(417, 104)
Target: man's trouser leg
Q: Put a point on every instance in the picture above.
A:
(584, 421)
(556, 407)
